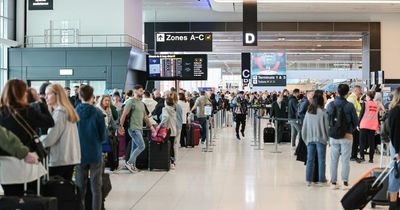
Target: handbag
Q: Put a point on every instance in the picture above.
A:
(160, 135)
(37, 144)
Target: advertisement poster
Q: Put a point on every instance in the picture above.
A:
(268, 69)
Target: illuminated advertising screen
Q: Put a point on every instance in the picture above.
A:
(268, 69)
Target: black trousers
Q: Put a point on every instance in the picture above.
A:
(356, 144)
(240, 120)
(65, 172)
(183, 136)
(367, 137)
(18, 189)
(172, 150)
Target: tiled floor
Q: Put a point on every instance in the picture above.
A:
(234, 176)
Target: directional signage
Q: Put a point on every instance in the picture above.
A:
(246, 66)
(183, 42)
(40, 4)
(250, 23)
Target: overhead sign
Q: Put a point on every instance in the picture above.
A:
(246, 72)
(40, 4)
(250, 23)
(177, 67)
(184, 42)
(268, 69)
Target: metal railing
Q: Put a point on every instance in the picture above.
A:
(73, 39)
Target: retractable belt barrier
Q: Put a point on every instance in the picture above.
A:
(257, 131)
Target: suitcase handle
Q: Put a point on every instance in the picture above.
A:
(382, 177)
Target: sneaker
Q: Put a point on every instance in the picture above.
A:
(361, 160)
(335, 186)
(309, 184)
(173, 166)
(323, 184)
(353, 159)
(346, 186)
(130, 167)
(242, 133)
(371, 161)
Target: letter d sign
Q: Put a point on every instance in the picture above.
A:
(250, 38)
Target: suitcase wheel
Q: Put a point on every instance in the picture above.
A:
(373, 205)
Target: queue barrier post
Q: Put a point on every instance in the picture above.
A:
(276, 137)
(207, 147)
(259, 133)
(255, 132)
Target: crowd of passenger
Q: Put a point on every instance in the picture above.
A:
(71, 129)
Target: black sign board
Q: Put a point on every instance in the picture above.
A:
(250, 23)
(269, 80)
(40, 4)
(183, 42)
(246, 68)
(177, 67)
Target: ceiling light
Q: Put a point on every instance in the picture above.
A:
(319, 45)
(281, 38)
(318, 1)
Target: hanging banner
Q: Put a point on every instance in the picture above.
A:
(246, 66)
(250, 23)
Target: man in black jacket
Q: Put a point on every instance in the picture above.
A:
(292, 110)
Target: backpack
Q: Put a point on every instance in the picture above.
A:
(385, 128)
(241, 104)
(127, 122)
(338, 122)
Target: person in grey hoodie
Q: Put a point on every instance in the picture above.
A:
(315, 136)
(169, 120)
(63, 138)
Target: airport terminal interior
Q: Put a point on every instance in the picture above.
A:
(246, 104)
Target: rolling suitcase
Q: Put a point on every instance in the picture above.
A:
(193, 135)
(28, 202)
(382, 197)
(286, 133)
(66, 192)
(142, 161)
(269, 134)
(364, 191)
(159, 157)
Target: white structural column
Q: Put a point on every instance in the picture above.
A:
(133, 18)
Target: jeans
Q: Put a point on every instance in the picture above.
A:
(394, 184)
(295, 130)
(96, 181)
(340, 147)
(367, 137)
(313, 148)
(203, 131)
(137, 145)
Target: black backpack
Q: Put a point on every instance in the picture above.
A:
(127, 122)
(338, 122)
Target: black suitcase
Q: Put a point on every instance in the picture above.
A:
(105, 190)
(382, 197)
(66, 192)
(286, 134)
(160, 157)
(363, 192)
(269, 134)
(142, 161)
(112, 160)
(28, 203)
(190, 136)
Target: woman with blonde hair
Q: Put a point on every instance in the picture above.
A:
(21, 119)
(394, 135)
(63, 138)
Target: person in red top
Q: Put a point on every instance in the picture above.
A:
(369, 125)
